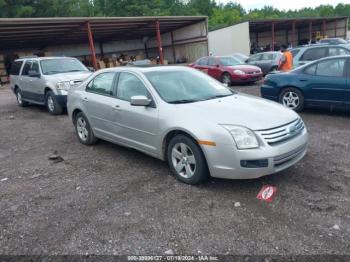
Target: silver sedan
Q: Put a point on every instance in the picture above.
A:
(187, 118)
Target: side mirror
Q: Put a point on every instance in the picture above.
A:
(33, 73)
(91, 69)
(217, 65)
(140, 101)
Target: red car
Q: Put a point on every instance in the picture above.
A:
(228, 69)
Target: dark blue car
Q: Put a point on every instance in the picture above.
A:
(323, 83)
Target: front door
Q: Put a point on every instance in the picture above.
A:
(37, 84)
(326, 82)
(138, 124)
(214, 69)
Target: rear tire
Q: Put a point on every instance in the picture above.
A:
(186, 160)
(52, 105)
(83, 130)
(292, 98)
(226, 79)
(19, 98)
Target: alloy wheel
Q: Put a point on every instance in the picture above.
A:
(183, 160)
(226, 79)
(19, 97)
(82, 130)
(291, 99)
(50, 103)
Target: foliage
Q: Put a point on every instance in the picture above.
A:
(219, 14)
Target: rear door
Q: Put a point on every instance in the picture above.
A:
(266, 62)
(326, 83)
(100, 104)
(25, 81)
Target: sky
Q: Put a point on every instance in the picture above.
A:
(280, 4)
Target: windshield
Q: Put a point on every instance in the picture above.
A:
(229, 61)
(186, 86)
(61, 65)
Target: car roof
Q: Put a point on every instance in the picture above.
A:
(43, 58)
(145, 69)
(319, 45)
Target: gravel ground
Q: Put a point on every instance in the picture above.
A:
(107, 199)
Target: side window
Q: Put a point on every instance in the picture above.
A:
(334, 67)
(203, 61)
(102, 84)
(15, 68)
(212, 61)
(254, 58)
(334, 51)
(310, 70)
(26, 68)
(314, 54)
(267, 56)
(35, 67)
(130, 85)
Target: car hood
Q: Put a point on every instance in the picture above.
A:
(245, 68)
(240, 109)
(77, 76)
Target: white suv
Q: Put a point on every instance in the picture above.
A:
(46, 80)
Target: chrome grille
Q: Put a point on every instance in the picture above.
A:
(282, 159)
(282, 133)
(254, 73)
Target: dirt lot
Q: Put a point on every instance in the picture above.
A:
(107, 199)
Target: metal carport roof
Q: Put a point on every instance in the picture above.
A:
(42, 32)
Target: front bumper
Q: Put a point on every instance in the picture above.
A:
(224, 161)
(248, 78)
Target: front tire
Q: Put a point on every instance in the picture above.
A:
(226, 79)
(52, 105)
(19, 98)
(186, 160)
(84, 130)
(292, 98)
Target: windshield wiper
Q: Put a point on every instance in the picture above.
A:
(75, 70)
(183, 101)
(218, 96)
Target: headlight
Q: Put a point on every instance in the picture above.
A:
(63, 86)
(244, 137)
(238, 72)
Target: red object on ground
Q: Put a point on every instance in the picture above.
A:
(267, 193)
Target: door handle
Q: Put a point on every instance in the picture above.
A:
(85, 99)
(302, 80)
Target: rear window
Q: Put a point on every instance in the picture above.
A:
(295, 52)
(16, 67)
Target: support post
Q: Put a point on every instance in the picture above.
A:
(335, 27)
(173, 46)
(159, 42)
(273, 37)
(101, 48)
(310, 31)
(293, 34)
(324, 28)
(92, 46)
